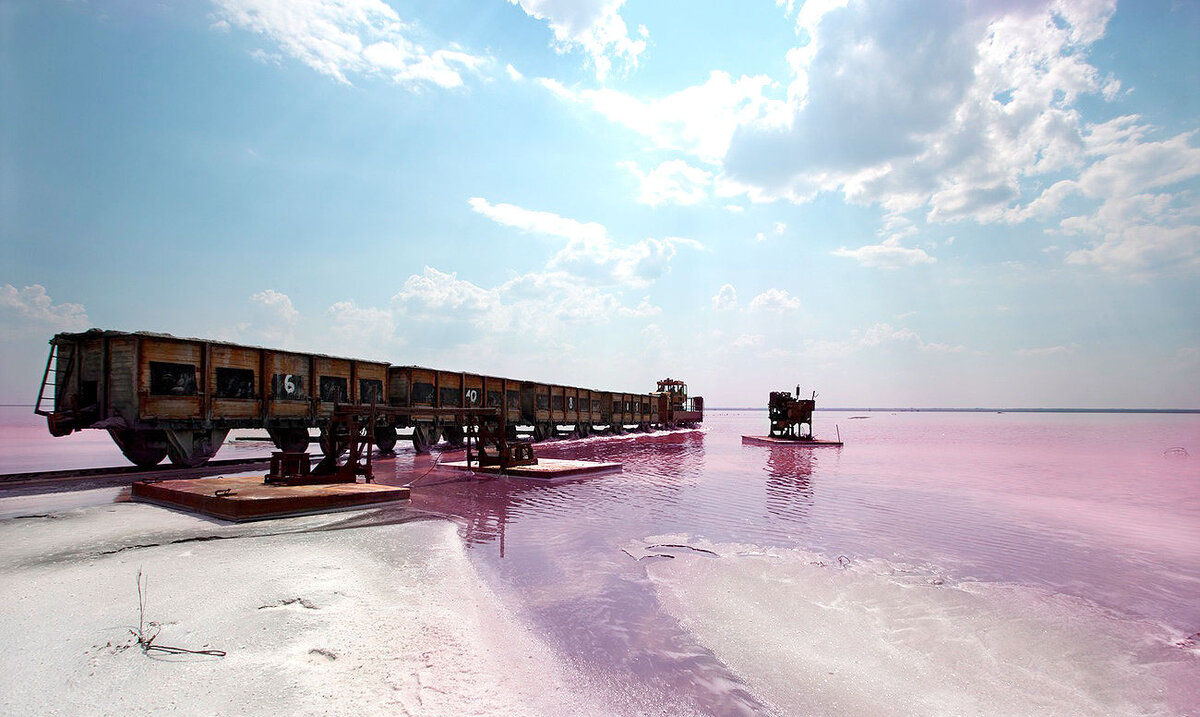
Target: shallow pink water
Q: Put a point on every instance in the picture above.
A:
(1090, 506)
(1081, 505)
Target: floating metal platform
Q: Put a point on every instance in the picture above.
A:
(544, 468)
(243, 498)
(775, 441)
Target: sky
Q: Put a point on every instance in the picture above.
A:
(939, 203)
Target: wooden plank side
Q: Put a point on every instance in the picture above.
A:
(572, 405)
(399, 383)
(370, 382)
(450, 393)
(233, 372)
(122, 378)
(332, 383)
(288, 386)
(473, 395)
(558, 404)
(170, 393)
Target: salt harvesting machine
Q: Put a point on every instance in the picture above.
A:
(162, 396)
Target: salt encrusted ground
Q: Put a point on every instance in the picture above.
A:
(363, 620)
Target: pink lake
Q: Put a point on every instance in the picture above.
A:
(938, 563)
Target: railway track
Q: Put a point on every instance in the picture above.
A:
(83, 478)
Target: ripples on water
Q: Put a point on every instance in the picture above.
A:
(1086, 507)
(937, 564)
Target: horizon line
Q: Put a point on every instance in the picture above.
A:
(942, 409)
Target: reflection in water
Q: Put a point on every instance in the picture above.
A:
(559, 544)
(789, 490)
(991, 498)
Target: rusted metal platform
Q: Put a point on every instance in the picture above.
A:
(775, 441)
(544, 468)
(243, 498)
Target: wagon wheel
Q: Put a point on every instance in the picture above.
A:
(541, 431)
(510, 432)
(454, 435)
(334, 443)
(385, 438)
(289, 440)
(421, 437)
(192, 449)
(144, 448)
(617, 429)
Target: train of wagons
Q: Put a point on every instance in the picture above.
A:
(163, 396)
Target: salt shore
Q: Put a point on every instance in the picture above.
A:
(317, 615)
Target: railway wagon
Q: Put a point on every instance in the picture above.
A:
(418, 386)
(161, 396)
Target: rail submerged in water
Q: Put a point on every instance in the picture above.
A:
(162, 396)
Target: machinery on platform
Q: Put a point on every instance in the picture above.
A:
(790, 415)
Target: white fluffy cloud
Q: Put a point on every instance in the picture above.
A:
(775, 300)
(938, 112)
(888, 254)
(699, 120)
(672, 182)
(367, 326)
(590, 253)
(32, 308)
(595, 26)
(343, 37)
(875, 337)
(271, 320)
(947, 106)
(726, 298)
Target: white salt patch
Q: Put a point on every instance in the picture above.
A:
(361, 621)
(812, 637)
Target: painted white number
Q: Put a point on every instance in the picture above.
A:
(289, 384)
(472, 396)
(570, 403)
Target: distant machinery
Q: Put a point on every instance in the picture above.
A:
(790, 414)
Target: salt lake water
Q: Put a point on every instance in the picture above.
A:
(938, 563)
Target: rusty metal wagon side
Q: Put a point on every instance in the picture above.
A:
(161, 396)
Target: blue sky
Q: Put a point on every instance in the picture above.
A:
(894, 204)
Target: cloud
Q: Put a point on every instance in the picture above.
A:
(532, 304)
(594, 26)
(31, 309)
(938, 113)
(589, 252)
(747, 341)
(777, 230)
(437, 294)
(672, 182)
(887, 255)
(949, 106)
(1043, 351)
(877, 336)
(699, 120)
(350, 320)
(726, 298)
(644, 308)
(343, 37)
(272, 320)
(774, 300)
(1136, 225)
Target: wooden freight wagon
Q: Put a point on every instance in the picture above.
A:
(506, 394)
(415, 387)
(535, 409)
(160, 395)
(571, 410)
